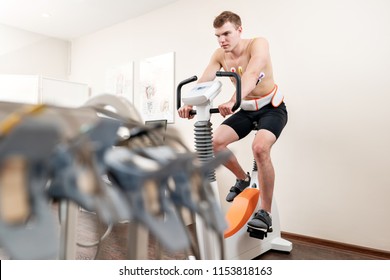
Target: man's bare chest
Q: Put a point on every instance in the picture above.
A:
(237, 65)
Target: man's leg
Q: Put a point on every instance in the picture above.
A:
(223, 136)
(266, 176)
(261, 147)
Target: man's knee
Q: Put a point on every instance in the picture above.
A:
(224, 136)
(218, 144)
(261, 146)
(261, 150)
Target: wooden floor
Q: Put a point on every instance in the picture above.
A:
(114, 246)
(308, 251)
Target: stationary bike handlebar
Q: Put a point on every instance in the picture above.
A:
(218, 74)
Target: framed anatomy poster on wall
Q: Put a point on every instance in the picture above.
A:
(157, 87)
(119, 80)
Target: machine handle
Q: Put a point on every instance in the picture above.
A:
(181, 84)
(218, 74)
(238, 88)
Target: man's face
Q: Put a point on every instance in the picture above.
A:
(228, 36)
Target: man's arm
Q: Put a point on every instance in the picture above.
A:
(258, 61)
(259, 57)
(214, 65)
(209, 74)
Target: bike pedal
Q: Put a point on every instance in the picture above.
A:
(256, 233)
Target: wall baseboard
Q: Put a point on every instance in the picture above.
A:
(377, 254)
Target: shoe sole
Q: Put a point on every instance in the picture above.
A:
(261, 229)
(236, 194)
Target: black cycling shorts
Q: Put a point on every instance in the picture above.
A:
(271, 118)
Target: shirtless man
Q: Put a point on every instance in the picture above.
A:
(262, 105)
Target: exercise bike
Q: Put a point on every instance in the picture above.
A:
(239, 241)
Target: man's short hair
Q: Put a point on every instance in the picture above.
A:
(225, 17)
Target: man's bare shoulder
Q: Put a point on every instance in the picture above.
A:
(260, 40)
(218, 54)
(259, 45)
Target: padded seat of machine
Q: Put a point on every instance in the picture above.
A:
(243, 206)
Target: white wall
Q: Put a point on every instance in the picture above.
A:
(27, 53)
(330, 59)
